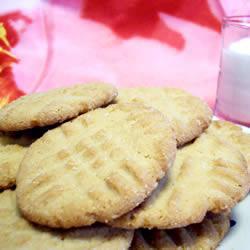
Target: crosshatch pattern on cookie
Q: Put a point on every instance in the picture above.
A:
(188, 114)
(208, 175)
(96, 167)
(233, 135)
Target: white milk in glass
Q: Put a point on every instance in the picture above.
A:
(233, 94)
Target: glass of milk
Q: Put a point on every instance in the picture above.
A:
(233, 91)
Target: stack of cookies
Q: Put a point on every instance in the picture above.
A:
(84, 167)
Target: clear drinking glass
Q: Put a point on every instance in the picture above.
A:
(233, 91)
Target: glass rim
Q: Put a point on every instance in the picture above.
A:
(240, 21)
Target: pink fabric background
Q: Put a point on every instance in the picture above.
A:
(125, 42)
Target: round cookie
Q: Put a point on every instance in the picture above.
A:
(54, 106)
(188, 114)
(207, 176)
(232, 134)
(96, 167)
(17, 233)
(205, 235)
